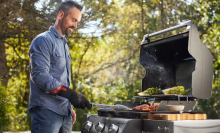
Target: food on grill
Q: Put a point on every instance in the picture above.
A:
(139, 108)
(151, 108)
(180, 90)
(151, 91)
(145, 107)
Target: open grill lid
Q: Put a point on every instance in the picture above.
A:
(181, 59)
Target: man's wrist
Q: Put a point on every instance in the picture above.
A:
(56, 90)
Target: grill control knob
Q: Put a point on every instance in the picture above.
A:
(88, 125)
(113, 129)
(99, 127)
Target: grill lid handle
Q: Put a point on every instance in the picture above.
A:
(187, 23)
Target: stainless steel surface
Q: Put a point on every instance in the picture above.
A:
(158, 126)
(88, 125)
(197, 126)
(113, 129)
(183, 126)
(187, 23)
(117, 107)
(124, 125)
(203, 75)
(165, 129)
(99, 127)
(153, 126)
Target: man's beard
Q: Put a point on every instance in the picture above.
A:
(65, 29)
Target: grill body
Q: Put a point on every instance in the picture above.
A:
(129, 125)
(177, 60)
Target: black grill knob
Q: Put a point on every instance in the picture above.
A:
(99, 127)
(87, 125)
(113, 129)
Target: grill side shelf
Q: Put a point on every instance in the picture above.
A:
(167, 97)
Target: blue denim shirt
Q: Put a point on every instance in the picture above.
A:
(49, 68)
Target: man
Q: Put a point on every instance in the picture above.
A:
(50, 96)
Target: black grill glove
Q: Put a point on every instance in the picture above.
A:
(77, 100)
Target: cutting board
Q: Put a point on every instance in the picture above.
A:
(182, 116)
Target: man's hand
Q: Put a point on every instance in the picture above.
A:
(73, 117)
(77, 100)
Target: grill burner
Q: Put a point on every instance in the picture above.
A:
(181, 59)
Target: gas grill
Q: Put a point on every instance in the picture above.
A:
(177, 60)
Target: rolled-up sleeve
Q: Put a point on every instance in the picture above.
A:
(39, 54)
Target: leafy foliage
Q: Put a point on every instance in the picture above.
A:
(4, 120)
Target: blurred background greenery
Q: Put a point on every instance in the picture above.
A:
(104, 49)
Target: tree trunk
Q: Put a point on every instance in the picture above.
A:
(142, 16)
(162, 16)
(27, 88)
(3, 63)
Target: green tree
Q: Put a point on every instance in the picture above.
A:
(4, 120)
(20, 22)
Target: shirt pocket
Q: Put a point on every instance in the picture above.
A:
(58, 61)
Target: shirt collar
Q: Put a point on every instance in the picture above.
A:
(57, 33)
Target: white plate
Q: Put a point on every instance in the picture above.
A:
(142, 94)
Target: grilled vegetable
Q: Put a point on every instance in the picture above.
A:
(152, 91)
(180, 90)
(187, 91)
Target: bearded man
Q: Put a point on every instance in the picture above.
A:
(50, 77)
